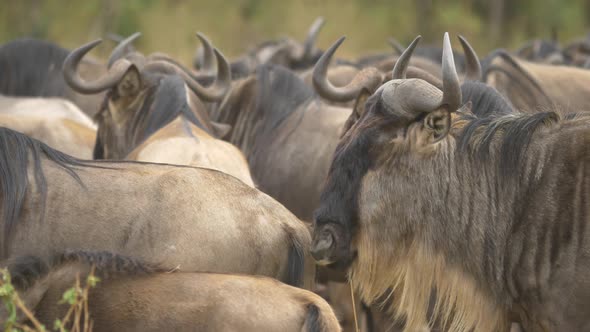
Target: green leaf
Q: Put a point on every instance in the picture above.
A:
(92, 280)
(58, 325)
(70, 296)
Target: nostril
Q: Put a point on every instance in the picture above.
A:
(326, 241)
(322, 245)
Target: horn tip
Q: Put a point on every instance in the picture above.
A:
(338, 43)
(94, 43)
(414, 42)
(462, 40)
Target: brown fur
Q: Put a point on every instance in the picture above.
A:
(416, 271)
(183, 143)
(152, 116)
(133, 297)
(563, 88)
(306, 136)
(191, 218)
(62, 134)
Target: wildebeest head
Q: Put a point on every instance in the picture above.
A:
(143, 96)
(370, 78)
(540, 50)
(287, 52)
(396, 131)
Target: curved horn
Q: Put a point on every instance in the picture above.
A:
(207, 66)
(113, 76)
(122, 49)
(115, 37)
(216, 91)
(312, 36)
(395, 45)
(220, 86)
(399, 70)
(451, 86)
(368, 78)
(416, 72)
(473, 66)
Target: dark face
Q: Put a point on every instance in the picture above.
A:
(336, 220)
(379, 172)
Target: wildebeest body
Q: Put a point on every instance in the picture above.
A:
(134, 296)
(191, 218)
(33, 68)
(492, 214)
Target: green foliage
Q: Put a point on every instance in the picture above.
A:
(76, 297)
(234, 25)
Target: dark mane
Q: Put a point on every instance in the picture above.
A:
(26, 270)
(486, 100)
(15, 150)
(280, 93)
(32, 68)
(164, 104)
(505, 137)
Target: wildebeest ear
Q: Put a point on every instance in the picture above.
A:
(358, 110)
(361, 100)
(130, 83)
(466, 108)
(437, 123)
(220, 130)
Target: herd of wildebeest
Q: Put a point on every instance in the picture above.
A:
(451, 192)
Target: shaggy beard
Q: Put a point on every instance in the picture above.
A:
(405, 276)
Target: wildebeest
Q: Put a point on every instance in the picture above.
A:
(536, 86)
(149, 114)
(490, 212)
(196, 219)
(53, 107)
(543, 51)
(286, 133)
(135, 296)
(286, 52)
(577, 52)
(54, 121)
(33, 68)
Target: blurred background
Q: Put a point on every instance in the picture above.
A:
(234, 25)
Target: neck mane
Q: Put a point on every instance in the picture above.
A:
(464, 250)
(260, 104)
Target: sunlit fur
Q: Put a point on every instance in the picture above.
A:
(133, 295)
(194, 219)
(407, 274)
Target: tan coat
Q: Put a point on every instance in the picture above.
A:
(183, 301)
(182, 143)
